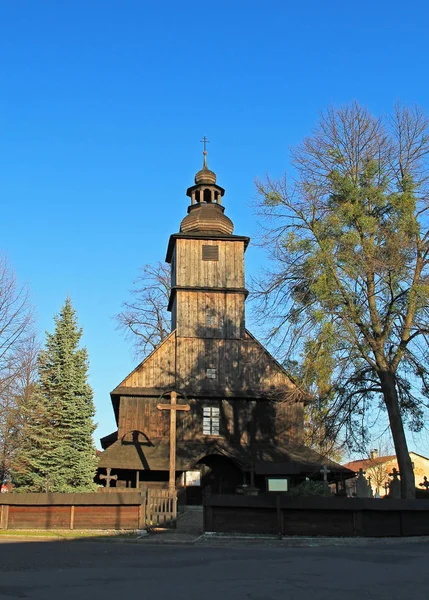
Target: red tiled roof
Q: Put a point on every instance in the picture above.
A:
(367, 463)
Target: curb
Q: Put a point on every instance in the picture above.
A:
(295, 541)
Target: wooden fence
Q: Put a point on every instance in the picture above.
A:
(280, 515)
(112, 510)
(161, 508)
(71, 511)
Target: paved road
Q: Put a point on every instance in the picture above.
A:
(101, 570)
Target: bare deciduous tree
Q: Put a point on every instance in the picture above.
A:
(16, 342)
(15, 318)
(15, 396)
(144, 318)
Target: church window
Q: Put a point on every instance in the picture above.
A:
(210, 420)
(211, 373)
(191, 478)
(210, 253)
(207, 196)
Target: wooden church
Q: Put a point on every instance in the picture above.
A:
(243, 423)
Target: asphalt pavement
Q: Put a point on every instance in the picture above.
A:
(94, 570)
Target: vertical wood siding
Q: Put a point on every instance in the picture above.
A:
(242, 421)
(138, 414)
(193, 308)
(192, 271)
(81, 517)
(241, 365)
(157, 370)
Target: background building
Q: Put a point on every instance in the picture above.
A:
(378, 468)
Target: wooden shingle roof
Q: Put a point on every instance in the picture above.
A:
(155, 457)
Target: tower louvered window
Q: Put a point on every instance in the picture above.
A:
(210, 253)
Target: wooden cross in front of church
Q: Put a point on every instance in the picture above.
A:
(173, 407)
(109, 477)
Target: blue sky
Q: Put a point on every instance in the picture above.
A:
(103, 105)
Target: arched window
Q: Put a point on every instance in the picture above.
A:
(207, 196)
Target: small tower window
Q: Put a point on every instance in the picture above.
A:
(207, 196)
(211, 373)
(210, 253)
(210, 420)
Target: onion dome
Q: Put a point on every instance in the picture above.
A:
(205, 175)
(206, 219)
(206, 213)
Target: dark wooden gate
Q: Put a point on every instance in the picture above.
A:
(160, 508)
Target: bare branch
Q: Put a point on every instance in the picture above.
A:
(145, 319)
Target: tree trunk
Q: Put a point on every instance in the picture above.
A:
(3, 472)
(391, 400)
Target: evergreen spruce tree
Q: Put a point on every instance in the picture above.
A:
(58, 452)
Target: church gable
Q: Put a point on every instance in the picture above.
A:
(229, 367)
(269, 371)
(157, 370)
(214, 366)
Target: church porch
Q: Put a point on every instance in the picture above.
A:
(225, 468)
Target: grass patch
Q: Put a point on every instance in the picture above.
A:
(67, 534)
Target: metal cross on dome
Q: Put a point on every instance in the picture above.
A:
(205, 141)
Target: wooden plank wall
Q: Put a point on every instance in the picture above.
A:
(141, 414)
(241, 365)
(192, 271)
(278, 514)
(289, 422)
(242, 421)
(227, 309)
(106, 517)
(88, 511)
(39, 517)
(157, 370)
(70, 516)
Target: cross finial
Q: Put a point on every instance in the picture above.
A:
(205, 141)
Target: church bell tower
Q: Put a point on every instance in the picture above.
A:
(207, 268)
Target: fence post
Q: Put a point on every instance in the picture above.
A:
(4, 516)
(279, 518)
(142, 509)
(207, 510)
(357, 523)
(174, 509)
(72, 516)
